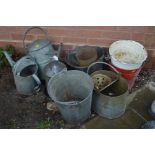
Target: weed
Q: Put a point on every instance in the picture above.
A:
(3, 61)
(60, 123)
(43, 124)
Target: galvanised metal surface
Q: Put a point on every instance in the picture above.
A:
(112, 102)
(41, 49)
(72, 93)
(72, 62)
(52, 69)
(25, 75)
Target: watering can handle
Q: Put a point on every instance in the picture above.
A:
(104, 64)
(31, 28)
(37, 88)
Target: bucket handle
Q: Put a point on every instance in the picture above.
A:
(31, 28)
(104, 64)
(37, 88)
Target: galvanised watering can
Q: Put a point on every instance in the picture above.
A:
(25, 72)
(41, 49)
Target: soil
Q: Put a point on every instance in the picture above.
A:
(144, 77)
(18, 111)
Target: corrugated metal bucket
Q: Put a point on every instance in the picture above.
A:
(72, 93)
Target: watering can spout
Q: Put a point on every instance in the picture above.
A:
(8, 57)
(60, 49)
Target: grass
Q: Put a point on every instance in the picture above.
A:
(43, 124)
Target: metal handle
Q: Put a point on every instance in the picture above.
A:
(61, 46)
(28, 30)
(104, 64)
(37, 88)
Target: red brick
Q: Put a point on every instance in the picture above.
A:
(102, 28)
(5, 36)
(150, 41)
(148, 62)
(148, 65)
(7, 29)
(55, 40)
(63, 27)
(150, 29)
(116, 35)
(131, 28)
(142, 43)
(142, 29)
(138, 36)
(19, 37)
(74, 33)
(80, 35)
(153, 59)
(92, 34)
(151, 54)
(21, 29)
(96, 28)
(68, 47)
(14, 29)
(100, 42)
(73, 27)
(74, 40)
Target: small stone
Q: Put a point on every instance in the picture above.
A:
(51, 106)
(136, 99)
(44, 104)
(92, 115)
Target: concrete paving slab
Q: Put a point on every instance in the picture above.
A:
(135, 116)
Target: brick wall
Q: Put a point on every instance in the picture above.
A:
(81, 35)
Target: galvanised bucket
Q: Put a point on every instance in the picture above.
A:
(72, 93)
(112, 102)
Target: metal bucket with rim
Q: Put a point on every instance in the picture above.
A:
(72, 93)
(111, 102)
(127, 56)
